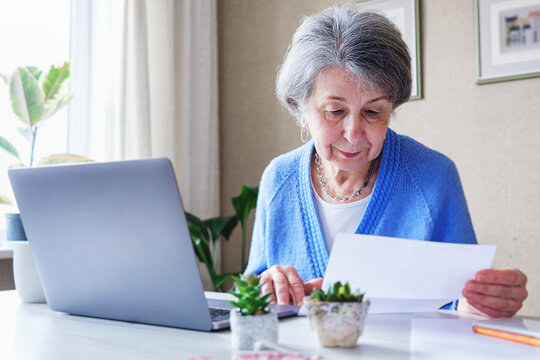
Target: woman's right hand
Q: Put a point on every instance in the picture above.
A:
(285, 284)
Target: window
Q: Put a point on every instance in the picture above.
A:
(32, 32)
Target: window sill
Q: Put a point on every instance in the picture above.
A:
(5, 251)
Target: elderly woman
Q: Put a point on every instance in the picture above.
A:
(345, 73)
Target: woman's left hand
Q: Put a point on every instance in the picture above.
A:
(496, 293)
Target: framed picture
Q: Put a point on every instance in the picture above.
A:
(405, 15)
(507, 39)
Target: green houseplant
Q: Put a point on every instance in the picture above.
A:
(251, 318)
(35, 97)
(337, 314)
(206, 234)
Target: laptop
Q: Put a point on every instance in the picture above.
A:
(110, 240)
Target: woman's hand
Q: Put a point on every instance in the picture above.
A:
(495, 293)
(286, 285)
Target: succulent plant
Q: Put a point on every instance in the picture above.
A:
(250, 301)
(338, 292)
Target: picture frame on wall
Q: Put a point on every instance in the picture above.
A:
(507, 40)
(405, 14)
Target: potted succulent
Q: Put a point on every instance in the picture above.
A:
(251, 319)
(337, 315)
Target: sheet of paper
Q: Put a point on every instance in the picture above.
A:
(447, 335)
(401, 275)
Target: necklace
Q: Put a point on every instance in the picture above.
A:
(320, 175)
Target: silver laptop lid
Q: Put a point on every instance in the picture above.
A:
(110, 240)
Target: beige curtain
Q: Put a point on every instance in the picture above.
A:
(148, 82)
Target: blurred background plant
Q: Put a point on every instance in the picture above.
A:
(206, 235)
(35, 97)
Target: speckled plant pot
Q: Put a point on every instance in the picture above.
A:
(246, 330)
(338, 324)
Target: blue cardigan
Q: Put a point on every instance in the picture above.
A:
(417, 195)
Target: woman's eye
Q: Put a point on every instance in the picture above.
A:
(336, 112)
(372, 113)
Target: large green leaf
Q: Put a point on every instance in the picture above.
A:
(200, 235)
(5, 200)
(245, 202)
(6, 145)
(202, 250)
(201, 242)
(194, 222)
(26, 97)
(34, 70)
(58, 103)
(221, 226)
(54, 80)
(221, 278)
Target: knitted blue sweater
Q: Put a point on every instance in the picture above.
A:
(417, 195)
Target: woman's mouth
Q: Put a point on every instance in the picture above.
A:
(349, 155)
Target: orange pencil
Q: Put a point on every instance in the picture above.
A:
(506, 335)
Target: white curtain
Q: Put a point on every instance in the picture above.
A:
(144, 73)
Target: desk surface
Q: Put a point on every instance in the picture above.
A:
(33, 331)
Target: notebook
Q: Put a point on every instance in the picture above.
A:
(110, 240)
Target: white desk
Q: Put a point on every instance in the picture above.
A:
(32, 331)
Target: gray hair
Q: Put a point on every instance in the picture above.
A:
(365, 44)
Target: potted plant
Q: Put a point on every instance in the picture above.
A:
(35, 97)
(251, 319)
(337, 315)
(206, 234)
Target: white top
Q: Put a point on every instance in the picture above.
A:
(339, 218)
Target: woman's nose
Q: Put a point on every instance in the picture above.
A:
(353, 129)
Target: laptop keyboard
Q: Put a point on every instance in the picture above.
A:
(219, 314)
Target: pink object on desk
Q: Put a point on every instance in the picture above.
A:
(271, 355)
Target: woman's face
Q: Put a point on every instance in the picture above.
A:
(347, 121)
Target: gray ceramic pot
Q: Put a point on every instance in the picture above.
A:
(248, 329)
